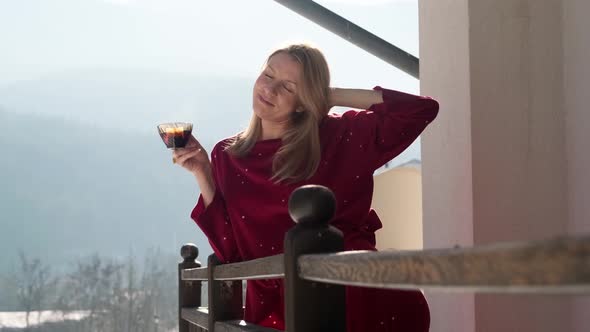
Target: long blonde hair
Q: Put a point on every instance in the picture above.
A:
(299, 156)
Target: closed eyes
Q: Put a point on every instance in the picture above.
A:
(284, 86)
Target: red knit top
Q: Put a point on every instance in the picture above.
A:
(248, 217)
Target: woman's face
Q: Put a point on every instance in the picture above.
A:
(275, 90)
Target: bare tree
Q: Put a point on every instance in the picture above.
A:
(151, 285)
(152, 293)
(159, 284)
(33, 284)
(132, 292)
(129, 297)
(92, 286)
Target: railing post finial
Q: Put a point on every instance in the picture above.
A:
(189, 252)
(309, 306)
(312, 204)
(189, 292)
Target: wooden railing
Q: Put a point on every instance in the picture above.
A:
(315, 271)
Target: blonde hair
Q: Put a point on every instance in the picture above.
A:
(299, 156)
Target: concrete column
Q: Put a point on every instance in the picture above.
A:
(446, 148)
(576, 45)
(494, 163)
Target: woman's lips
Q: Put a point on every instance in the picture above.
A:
(265, 101)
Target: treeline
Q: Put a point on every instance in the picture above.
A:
(113, 295)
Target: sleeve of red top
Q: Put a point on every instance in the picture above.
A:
(388, 128)
(214, 221)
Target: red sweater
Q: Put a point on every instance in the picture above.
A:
(248, 216)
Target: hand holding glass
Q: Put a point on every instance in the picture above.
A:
(175, 134)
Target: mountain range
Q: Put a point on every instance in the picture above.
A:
(83, 169)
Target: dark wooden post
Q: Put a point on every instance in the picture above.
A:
(225, 297)
(312, 306)
(189, 292)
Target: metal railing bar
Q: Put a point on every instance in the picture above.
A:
(355, 34)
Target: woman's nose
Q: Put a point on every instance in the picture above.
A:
(271, 88)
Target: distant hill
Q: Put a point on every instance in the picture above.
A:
(70, 189)
(135, 100)
(83, 169)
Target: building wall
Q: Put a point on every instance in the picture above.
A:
(576, 92)
(507, 158)
(519, 186)
(397, 198)
(446, 148)
(576, 67)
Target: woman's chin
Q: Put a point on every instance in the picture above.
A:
(262, 111)
(261, 114)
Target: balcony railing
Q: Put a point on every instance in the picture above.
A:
(315, 271)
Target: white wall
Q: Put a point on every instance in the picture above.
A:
(446, 148)
(498, 163)
(577, 90)
(576, 67)
(519, 145)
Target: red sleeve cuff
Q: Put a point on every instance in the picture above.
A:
(204, 216)
(393, 96)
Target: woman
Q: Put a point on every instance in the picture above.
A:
(292, 141)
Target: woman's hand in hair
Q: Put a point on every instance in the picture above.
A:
(355, 98)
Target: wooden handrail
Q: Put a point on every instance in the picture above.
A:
(271, 267)
(197, 274)
(197, 316)
(313, 253)
(556, 265)
(200, 316)
(263, 268)
(240, 326)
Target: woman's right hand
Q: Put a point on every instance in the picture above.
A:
(193, 157)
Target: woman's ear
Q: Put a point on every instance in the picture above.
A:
(299, 108)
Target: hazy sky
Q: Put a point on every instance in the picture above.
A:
(226, 38)
(229, 38)
(222, 37)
